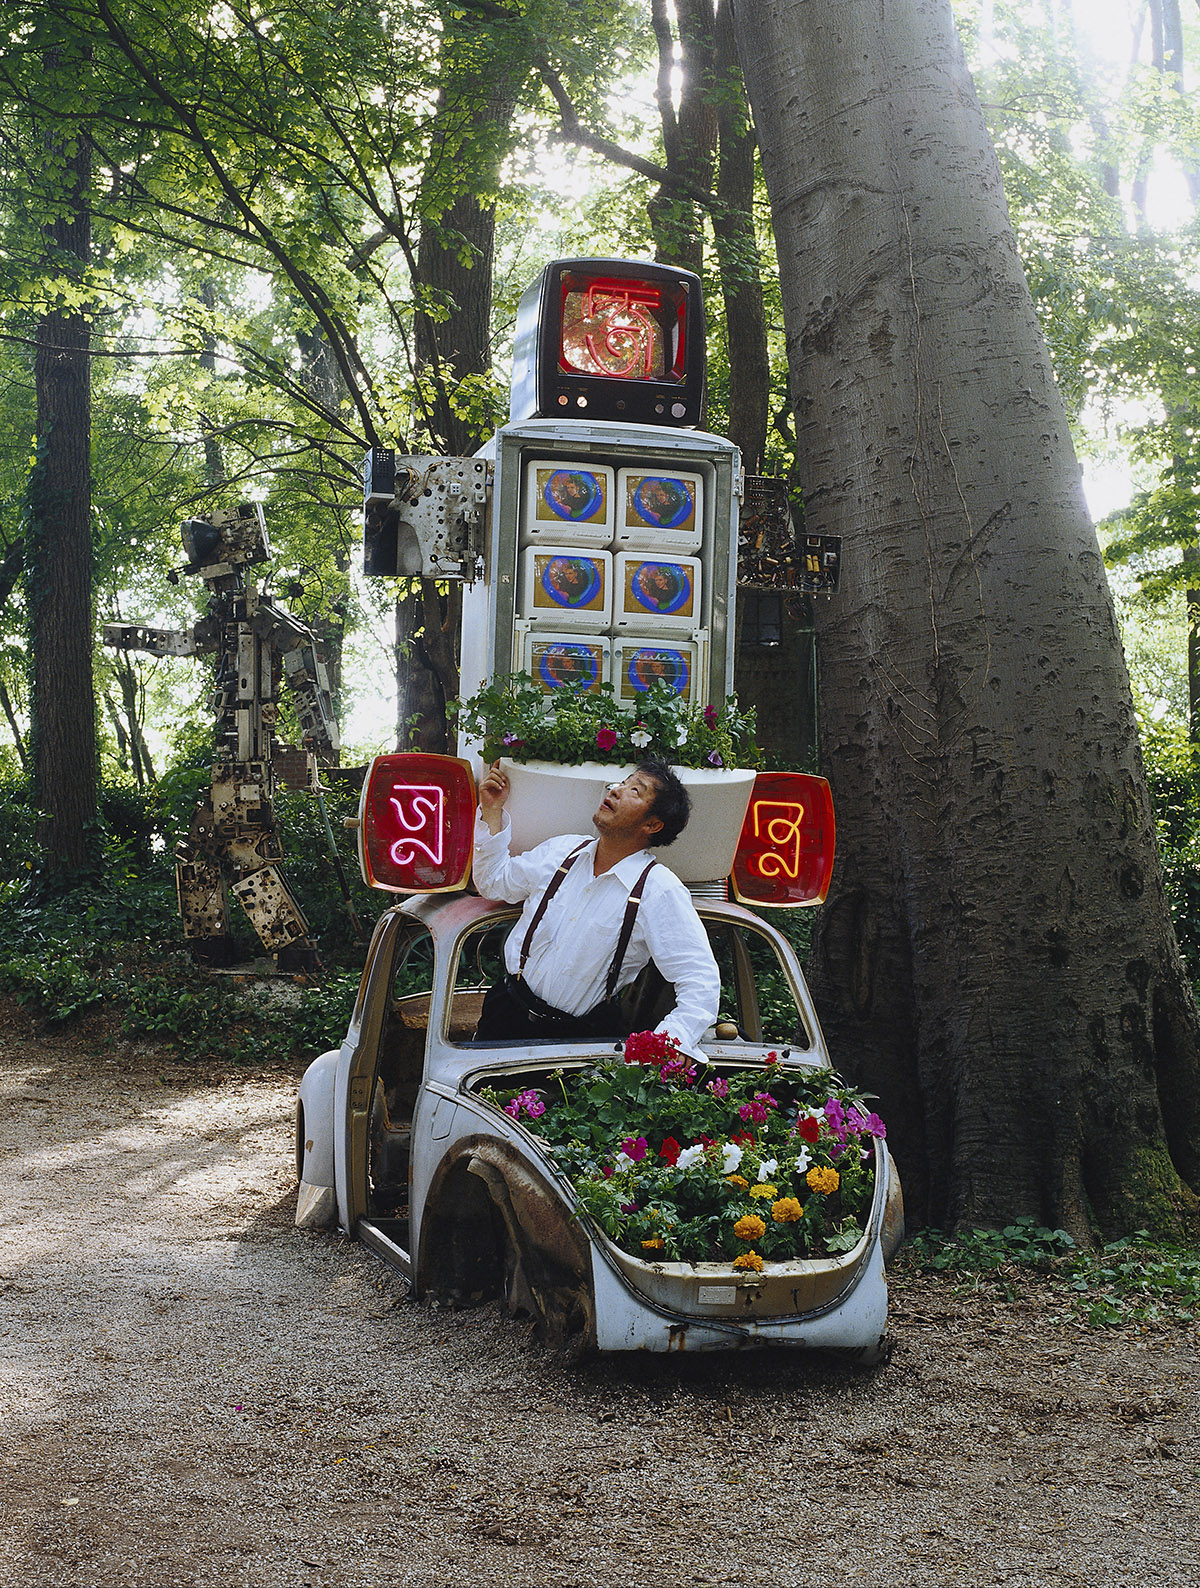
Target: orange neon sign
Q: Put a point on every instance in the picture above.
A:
(785, 852)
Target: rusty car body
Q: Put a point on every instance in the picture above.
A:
(396, 1145)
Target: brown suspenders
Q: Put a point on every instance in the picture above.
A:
(631, 910)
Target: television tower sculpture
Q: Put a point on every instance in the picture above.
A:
(233, 843)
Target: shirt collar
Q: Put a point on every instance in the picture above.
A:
(627, 870)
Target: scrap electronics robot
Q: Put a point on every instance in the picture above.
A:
(233, 844)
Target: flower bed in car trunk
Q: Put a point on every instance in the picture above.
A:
(679, 1161)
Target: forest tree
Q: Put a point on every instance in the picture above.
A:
(995, 958)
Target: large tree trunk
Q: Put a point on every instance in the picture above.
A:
(738, 256)
(995, 958)
(689, 132)
(58, 539)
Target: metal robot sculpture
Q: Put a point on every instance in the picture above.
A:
(233, 844)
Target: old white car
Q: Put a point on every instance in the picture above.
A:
(397, 1143)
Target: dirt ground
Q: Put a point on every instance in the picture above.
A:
(195, 1393)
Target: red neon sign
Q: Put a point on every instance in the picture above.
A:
(620, 328)
(416, 823)
(785, 853)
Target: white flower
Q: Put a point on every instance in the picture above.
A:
(639, 738)
(688, 1157)
(622, 1162)
(767, 1168)
(681, 733)
(802, 1160)
(733, 1156)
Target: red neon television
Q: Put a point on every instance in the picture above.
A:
(416, 823)
(785, 852)
(610, 339)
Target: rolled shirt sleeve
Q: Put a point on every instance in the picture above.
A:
(678, 944)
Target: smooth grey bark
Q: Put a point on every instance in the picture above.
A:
(995, 959)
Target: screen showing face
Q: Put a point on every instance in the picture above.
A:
(575, 584)
(660, 502)
(650, 665)
(620, 328)
(567, 664)
(664, 587)
(576, 495)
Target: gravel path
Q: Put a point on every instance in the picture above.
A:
(194, 1393)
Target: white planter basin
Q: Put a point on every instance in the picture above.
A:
(547, 799)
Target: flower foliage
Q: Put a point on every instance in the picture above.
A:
(677, 1162)
(514, 718)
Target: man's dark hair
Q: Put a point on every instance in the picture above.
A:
(672, 803)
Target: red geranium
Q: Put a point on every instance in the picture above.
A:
(808, 1129)
(670, 1150)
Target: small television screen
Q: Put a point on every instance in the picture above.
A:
(610, 339)
(664, 590)
(572, 501)
(659, 509)
(556, 662)
(640, 664)
(566, 584)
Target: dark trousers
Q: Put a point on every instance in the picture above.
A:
(511, 1012)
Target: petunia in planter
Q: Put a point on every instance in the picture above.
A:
(660, 1155)
(515, 718)
(562, 750)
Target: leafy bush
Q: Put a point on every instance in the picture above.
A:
(111, 940)
(1173, 776)
(1128, 1281)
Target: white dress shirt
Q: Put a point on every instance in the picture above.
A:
(573, 947)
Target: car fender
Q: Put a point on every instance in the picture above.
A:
(316, 1204)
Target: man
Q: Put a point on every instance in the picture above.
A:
(596, 911)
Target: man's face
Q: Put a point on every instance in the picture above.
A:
(626, 810)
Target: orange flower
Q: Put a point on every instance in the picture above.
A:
(749, 1227)
(764, 1191)
(749, 1260)
(738, 1180)
(654, 1244)
(824, 1180)
(786, 1211)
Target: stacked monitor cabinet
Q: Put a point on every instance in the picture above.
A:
(610, 555)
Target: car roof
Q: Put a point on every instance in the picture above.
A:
(448, 914)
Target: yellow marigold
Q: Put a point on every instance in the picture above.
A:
(823, 1180)
(654, 1244)
(764, 1190)
(786, 1211)
(737, 1179)
(749, 1227)
(749, 1260)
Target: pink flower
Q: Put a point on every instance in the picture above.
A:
(835, 1113)
(527, 1103)
(635, 1147)
(606, 738)
(755, 1113)
(719, 1087)
(710, 716)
